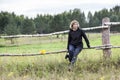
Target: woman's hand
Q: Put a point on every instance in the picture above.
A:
(88, 45)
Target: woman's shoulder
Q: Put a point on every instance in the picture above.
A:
(81, 30)
(70, 29)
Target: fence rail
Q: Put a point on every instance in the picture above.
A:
(62, 32)
(55, 33)
(55, 52)
(112, 23)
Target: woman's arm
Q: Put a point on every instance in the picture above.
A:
(86, 39)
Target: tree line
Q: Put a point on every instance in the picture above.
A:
(12, 24)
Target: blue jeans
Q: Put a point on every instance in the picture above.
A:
(73, 53)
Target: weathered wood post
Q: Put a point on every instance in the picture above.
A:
(106, 38)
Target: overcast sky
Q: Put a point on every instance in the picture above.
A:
(31, 8)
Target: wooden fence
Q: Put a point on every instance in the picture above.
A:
(106, 46)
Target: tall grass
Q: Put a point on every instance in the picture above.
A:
(89, 66)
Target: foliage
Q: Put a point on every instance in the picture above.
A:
(28, 27)
(53, 23)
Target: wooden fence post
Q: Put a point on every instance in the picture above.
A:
(106, 38)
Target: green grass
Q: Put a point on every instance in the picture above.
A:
(33, 45)
(89, 66)
(35, 48)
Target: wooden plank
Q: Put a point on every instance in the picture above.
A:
(55, 33)
(105, 25)
(112, 23)
(55, 52)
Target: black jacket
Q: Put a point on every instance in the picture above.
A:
(75, 38)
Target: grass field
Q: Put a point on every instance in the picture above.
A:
(90, 64)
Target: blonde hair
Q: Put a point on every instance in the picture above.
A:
(72, 23)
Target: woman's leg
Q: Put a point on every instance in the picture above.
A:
(76, 52)
(71, 52)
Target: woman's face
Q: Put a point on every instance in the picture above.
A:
(75, 26)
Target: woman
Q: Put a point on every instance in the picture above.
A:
(75, 44)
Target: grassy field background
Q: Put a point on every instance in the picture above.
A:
(90, 64)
